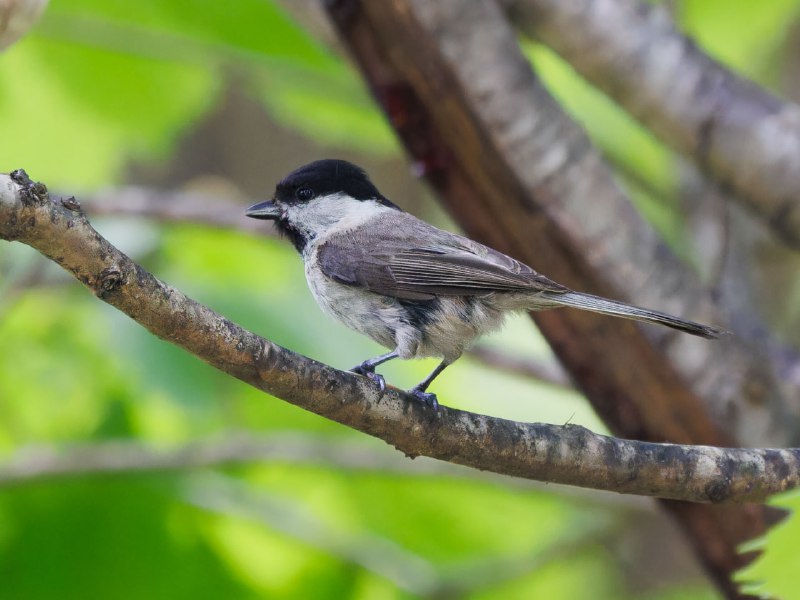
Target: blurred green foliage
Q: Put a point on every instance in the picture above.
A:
(774, 574)
(102, 83)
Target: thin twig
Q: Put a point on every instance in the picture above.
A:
(31, 465)
(549, 372)
(174, 206)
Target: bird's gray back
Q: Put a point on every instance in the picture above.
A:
(398, 255)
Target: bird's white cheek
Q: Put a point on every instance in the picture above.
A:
(337, 212)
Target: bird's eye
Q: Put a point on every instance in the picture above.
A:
(304, 193)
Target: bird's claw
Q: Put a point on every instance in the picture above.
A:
(363, 369)
(428, 398)
(369, 373)
(379, 381)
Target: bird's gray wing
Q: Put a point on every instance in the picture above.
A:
(398, 255)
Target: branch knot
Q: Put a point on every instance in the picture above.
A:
(109, 280)
(31, 192)
(71, 203)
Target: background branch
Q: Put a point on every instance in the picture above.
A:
(36, 463)
(408, 571)
(738, 133)
(173, 206)
(540, 370)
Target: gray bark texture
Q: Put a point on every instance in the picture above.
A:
(742, 136)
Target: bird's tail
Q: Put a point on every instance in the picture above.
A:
(628, 311)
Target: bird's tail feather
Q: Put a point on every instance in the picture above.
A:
(628, 311)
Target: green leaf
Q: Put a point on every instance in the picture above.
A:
(743, 34)
(99, 83)
(187, 30)
(774, 573)
(114, 538)
(76, 113)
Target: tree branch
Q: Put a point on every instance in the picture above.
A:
(408, 571)
(739, 134)
(34, 464)
(568, 454)
(39, 463)
(173, 206)
(549, 372)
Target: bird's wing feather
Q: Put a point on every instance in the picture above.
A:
(381, 258)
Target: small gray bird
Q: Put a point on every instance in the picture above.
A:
(408, 285)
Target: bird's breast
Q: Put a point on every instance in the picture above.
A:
(370, 314)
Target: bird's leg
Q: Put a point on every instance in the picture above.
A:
(367, 368)
(418, 391)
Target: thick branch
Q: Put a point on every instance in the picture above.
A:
(741, 135)
(568, 454)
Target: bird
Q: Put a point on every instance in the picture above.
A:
(413, 288)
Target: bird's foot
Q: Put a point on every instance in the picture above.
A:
(427, 398)
(368, 371)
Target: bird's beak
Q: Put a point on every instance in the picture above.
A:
(264, 210)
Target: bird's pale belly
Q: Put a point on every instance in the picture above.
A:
(362, 311)
(447, 326)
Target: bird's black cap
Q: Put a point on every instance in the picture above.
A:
(328, 176)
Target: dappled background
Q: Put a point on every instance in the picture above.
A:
(129, 469)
